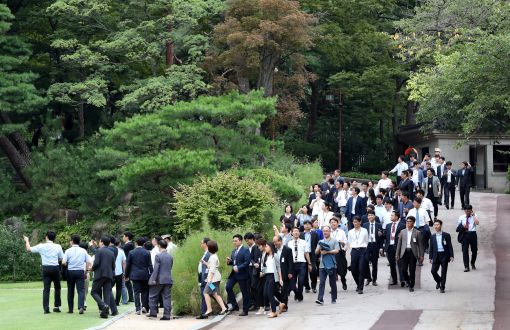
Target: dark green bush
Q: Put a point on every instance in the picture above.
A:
(285, 187)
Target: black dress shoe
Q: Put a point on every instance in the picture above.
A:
(394, 283)
(252, 308)
(411, 289)
(164, 318)
(368, 282)
(56, 309)
(442, 290)
(360, 291)
(344, 286)
(402, 284)
(473, 267)
(447, 207)
(201, 317)
(374, 283)
(105, 312)
(70, 312)
(437, 286)
(243, 314)
(466, 270)
(149, 315)
(47, 311)
(81, 311)
(314, 290)
(232, 309)
(115, 313)
(84, 308)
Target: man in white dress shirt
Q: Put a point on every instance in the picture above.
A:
(468, 223)
(421, 223)
(358, 242)
(401, 166)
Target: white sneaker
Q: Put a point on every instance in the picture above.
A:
(260, 311)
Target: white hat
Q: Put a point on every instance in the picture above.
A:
(437, 150)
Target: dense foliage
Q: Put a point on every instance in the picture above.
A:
(108, 108)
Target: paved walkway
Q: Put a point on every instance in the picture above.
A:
(467, 304)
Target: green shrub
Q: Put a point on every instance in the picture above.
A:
(285, 187)
(224, 201)
(186, 290)
(17, 264)
(366, 176)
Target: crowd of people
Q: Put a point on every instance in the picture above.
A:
(343, 218)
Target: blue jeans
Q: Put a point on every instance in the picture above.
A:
(331, 273)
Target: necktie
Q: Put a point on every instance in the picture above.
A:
(371, 232)
(418, 218)
(295, 251)
(393, 231)
(467, 223)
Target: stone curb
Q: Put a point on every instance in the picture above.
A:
(110, 321)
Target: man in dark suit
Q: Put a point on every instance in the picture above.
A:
(240, 262)
(287, 269)
(406, 185)
(254, 279)
(104, 270)
(364, 218)
(375, 246)
(449, 178)
(410, 250)
(390, 245)
(138, 269)
(441, 253)
(202, 276)
(464, 182)
(311, 237)
(355, 207)
(112, 304)
(128, 247)
(160, 282)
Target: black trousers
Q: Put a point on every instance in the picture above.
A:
(341, 265)
(141, 294)
(254, 283)
(298, 279)
(434, 201)
(283, 295)
(409, 267)
(464, 195)
(470, 240)
(118, 288)
(372, 257)
(51, 274)
(102, 287)
(311, 277)
(75, 278)
(449, 194)
(129, 288)
(441, 260)
(391, 254)
(245, 291)
(269, 290)
(358, 262)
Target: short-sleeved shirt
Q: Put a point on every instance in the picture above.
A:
(50, 253)
(121, 257)
(298, 248)
(76, 258)
(333, 245)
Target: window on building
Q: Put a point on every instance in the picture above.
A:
(501, 158)
(425, 151)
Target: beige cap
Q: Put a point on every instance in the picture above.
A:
(437, 150)
(166, 236)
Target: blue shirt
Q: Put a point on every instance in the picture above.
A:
(439, 238)
(50, 253)
(76, 258)
(121, 256)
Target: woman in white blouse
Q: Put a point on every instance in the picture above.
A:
(212, 287)
(325, 215)
(272, 275)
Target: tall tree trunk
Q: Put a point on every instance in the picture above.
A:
(381, 131)
(411, 113)
(266, 73)
(81, 119)
(169, 49)
(14, 156)
(314, 109)
(17, 139)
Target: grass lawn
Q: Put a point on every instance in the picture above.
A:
(21, 308)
